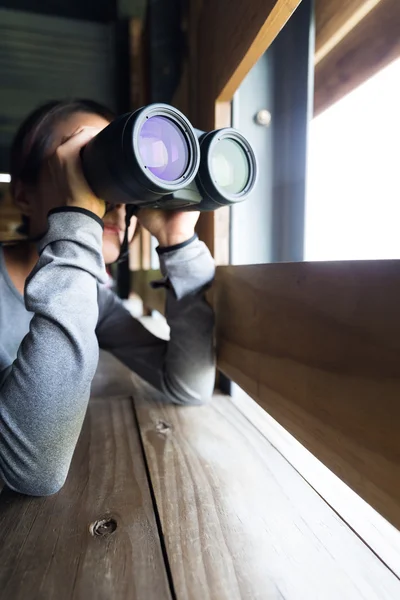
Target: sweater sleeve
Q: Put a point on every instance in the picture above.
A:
(183, 368)
(44, 393)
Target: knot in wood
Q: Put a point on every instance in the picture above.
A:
(163, 427)
(103, 527)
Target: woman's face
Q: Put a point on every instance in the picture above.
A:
(37, 203)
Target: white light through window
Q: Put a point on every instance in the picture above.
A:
(353, 200)
(5, 178)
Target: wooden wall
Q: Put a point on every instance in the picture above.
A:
(318, 346)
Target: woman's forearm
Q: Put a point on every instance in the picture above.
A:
(190, 361)
(44, 395)
(183, 368)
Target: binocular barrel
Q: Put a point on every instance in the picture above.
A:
(155, 158)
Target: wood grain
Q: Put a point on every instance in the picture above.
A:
(334, 19)
(238, 520)
(47, 548)
(238, 34)
(369, 47)
(318, 346)
(369, 525)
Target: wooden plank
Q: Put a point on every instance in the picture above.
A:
(369, 525)
(48, 546)
(334, 19)
(153, 298)
(318, 346)
(239, 522)
(368, 48)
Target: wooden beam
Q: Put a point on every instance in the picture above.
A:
(231, 37)
(369, 47)
(226, 40)
(334, 19)
(318, 346)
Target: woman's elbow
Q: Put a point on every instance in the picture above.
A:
(189, 400)
(37, 483)
(196, 395)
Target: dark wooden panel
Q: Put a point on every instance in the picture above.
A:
(47, 546)
(239, 521)
(368, 48)
(318, 346)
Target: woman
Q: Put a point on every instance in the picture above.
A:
(55, 311)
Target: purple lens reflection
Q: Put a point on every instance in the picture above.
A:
(163, 148)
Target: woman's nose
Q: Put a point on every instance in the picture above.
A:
(117, 209)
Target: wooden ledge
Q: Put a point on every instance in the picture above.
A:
(170, 502)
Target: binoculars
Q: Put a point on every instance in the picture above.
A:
(153, 157)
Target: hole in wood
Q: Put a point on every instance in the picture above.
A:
(163, 427)
(103, 527)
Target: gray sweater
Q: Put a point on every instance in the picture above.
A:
(49, 346)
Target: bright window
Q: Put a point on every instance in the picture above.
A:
(353, 200)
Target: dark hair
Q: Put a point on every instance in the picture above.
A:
(35, 136)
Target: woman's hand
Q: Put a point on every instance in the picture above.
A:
(170, 227)
(62, 175)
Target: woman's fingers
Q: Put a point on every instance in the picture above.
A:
(66, 171)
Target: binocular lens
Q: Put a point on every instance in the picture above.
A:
(230, 166)
(163, 148)
(153, 157)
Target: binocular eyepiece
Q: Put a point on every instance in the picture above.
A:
(153, 157)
